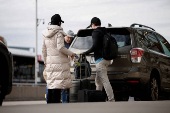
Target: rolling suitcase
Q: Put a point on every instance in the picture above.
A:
(76, 86)
(86, 95)
(81, 73)
(82, 68)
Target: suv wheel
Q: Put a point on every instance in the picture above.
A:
(1, 100)
(154, 89)
(1, 97)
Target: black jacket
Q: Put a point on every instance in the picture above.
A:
(97, 37)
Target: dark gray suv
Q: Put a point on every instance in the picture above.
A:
(142, 67)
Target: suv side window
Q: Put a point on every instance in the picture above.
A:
(142, 39)
(165, 44)
(153, 42)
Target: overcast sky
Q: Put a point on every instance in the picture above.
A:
(17, 17)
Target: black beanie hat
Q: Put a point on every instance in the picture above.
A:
(55, 19)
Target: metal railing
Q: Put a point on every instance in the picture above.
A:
(29, 84)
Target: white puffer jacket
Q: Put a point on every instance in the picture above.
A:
(56, 58)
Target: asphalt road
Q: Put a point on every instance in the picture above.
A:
(96, 107)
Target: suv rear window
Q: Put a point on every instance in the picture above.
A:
(122, 40)
(122, 36)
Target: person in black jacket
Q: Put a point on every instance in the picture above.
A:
(101, 64)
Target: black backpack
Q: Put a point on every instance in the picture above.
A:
(110, 47)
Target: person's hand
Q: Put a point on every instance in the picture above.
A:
(72, 57)
(76, 56)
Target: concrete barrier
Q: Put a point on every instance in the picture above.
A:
(25, 93)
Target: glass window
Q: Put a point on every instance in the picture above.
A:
(86, 42)
(122, 40)
(83, 43)
(165, 44)
(153, 42)
(142, 39)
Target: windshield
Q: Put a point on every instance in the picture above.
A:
(83, 42)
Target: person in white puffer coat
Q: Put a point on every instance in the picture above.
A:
(56, 60)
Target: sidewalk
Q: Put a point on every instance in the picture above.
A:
(13, 103)
(87, 107)
(26, 92)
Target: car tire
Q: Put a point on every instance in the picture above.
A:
(1, 100)
(1, 97)
(154, 89)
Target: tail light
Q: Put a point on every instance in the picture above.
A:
(136, 55)
(132, 81)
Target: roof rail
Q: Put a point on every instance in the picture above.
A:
(140, 25)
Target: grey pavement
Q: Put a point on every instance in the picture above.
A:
(95, 107)
(13, 103)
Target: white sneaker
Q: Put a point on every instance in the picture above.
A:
(131, 99)
(112, 100)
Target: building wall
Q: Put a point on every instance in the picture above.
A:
(24, 70)
(24, 93)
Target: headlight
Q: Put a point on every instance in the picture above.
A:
(3, 41)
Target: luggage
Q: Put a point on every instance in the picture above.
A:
(77, 85)
(82, 68)
(83, 90)
(85, 84)
(86, 95)
(73, 93)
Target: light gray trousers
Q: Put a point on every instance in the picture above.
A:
(102, 78)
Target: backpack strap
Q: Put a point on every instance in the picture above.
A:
(104, 33)
(109, 35)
